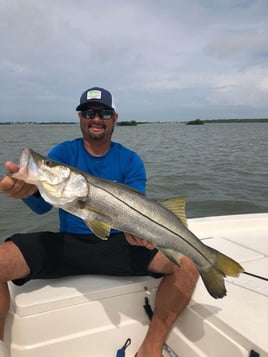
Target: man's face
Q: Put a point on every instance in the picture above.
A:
(97, 129)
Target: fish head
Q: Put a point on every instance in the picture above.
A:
(58, 183)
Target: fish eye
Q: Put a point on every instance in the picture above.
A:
(48, 163)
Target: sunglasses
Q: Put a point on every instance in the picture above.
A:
(102, 113)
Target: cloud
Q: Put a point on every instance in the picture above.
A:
(251, 45)
(158, 57)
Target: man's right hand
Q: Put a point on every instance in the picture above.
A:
(13, 187)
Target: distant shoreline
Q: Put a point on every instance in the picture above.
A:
(207, 121)
(260, 120)
(38, 123)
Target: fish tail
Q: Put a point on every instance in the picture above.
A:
(227, 265)
(213, 278)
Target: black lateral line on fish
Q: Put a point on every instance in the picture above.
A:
(171, 231)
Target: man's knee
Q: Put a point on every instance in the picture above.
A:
(185, 266)
(12, 262)
(189, 268)
(160, 264)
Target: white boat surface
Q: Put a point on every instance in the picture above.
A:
(94, 315)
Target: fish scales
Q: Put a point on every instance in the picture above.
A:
(104, 205)
(164, 227)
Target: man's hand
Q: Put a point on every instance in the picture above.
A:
(13, 187)
(132, 240)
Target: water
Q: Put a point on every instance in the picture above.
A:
(221, 169)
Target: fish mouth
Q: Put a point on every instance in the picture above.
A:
(25, 157)
(28, 166)
(27, 161)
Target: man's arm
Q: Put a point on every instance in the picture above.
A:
(135, 177)
(134, 172)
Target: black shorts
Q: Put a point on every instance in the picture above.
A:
(54, 255)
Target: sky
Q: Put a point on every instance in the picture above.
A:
(163, 60)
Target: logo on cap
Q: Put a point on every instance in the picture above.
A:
(93, 94)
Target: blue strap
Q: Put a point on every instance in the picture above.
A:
(121, 351)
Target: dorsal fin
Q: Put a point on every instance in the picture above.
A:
(177, 206)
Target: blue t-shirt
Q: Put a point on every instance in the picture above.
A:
(118, 164)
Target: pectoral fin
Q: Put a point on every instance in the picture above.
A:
(177, 206)
(97, 222)
(100, 229)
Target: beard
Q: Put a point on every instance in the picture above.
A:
(97, 136)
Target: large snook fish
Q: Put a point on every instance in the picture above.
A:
(103, 205)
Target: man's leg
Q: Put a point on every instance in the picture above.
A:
(12, 266)
(174, 292)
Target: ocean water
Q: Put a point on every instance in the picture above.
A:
(221, 169)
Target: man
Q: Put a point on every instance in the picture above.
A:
(96, 154)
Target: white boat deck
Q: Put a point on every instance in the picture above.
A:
(243, 313)
(93, 316)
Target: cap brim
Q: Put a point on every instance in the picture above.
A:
(84, 106)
